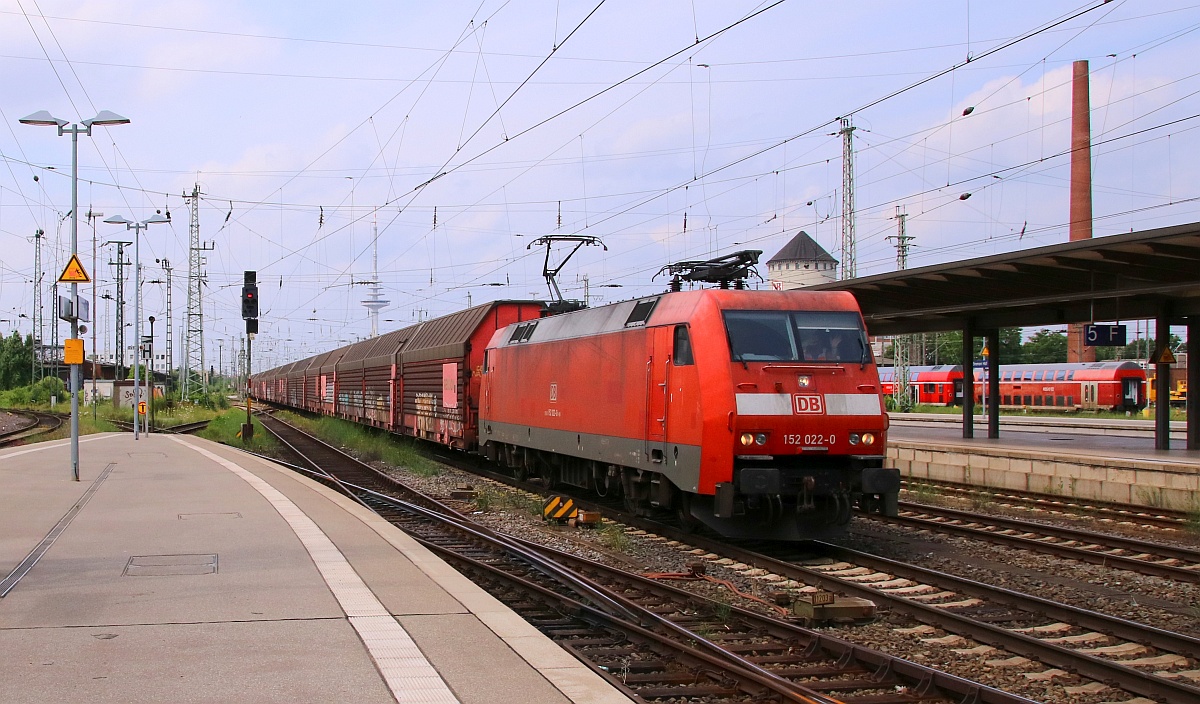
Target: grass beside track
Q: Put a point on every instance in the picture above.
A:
(368, 444)
(226, 428)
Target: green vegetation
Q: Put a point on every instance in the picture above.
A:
(612, 536)
(16, 361)
(922, 493)
(101, 417)
(227, 427)
(1193, 522)
(369, 444)
(722, 608)
(38, 395)
(486, 498)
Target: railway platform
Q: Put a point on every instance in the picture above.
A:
(182, 570)
(1096, 460)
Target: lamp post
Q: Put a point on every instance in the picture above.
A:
(137, 228)
(104, 118)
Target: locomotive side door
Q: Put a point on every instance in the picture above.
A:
(658, 368)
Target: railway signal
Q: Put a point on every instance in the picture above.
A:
(250, 296)
(250, 314)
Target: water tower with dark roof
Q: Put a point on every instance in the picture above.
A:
(802, 262)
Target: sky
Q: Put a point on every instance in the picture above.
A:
(442, 139)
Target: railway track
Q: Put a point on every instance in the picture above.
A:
(1058, 506)
(979, 617)
(181, 429)
(654, 641)
(40, 424)
(984, 619)
(1169, 562)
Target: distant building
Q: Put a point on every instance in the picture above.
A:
(802, 262)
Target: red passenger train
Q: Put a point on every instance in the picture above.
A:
(1083, 386)
(938, 385)
(757, 413)
(1088, 386)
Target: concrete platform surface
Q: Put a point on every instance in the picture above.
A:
(181, 570)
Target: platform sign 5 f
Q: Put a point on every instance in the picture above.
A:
(1104, 335)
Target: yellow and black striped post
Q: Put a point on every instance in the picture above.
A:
(559, 508)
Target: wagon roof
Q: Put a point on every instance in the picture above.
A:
(322, 361)
(353, 354)
(386, 346)
(448, 335)
(377, 350)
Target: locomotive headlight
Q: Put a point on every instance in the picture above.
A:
(747, 439)
(854, 438)
(805, 380)
(868, 438)
(761, 439)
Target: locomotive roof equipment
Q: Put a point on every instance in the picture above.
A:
(732, 268)
(559, 304)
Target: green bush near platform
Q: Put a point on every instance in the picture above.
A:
(227, 428)
(368, 444)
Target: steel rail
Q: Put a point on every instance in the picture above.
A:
(1109, 672)
(1143, 566)
(631, 614)
(1161, 517)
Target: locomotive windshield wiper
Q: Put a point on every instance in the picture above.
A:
(862, 361)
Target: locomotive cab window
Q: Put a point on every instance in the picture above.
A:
(796, 336)
(682, 353)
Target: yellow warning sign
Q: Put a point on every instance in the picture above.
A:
(1164, 357)
(141, 408)
(74, 273)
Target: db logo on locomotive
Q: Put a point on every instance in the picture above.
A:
(802, 403)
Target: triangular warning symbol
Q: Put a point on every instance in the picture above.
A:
(1165, 358)
(74, 273)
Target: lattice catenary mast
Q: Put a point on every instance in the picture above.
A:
(849, 266)
(37, 305)
(901, 344)
(121, 263)
(193, 376)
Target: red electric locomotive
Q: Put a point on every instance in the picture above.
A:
(757, 413)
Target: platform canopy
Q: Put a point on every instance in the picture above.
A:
(1111, 278)
(1154, 274)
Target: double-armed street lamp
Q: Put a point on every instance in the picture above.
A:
(104, 118)
(137, 228)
